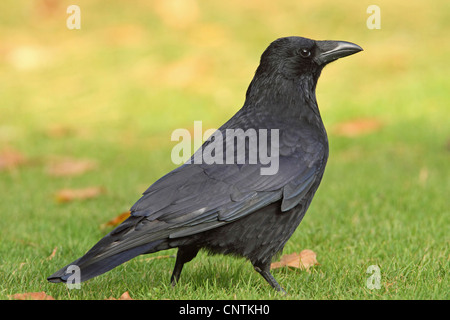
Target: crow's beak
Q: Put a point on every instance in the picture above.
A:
(328, 51)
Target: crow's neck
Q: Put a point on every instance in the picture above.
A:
(290, 99)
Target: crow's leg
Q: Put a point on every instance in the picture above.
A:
(184, 255)
(264, 270)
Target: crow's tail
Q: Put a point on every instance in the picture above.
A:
(119, 246)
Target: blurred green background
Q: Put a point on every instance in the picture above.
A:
(113, 91)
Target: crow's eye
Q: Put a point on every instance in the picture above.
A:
(305, 53)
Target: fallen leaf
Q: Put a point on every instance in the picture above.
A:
(124, 296)
(357, 127)
(48, 7)
(116, 221)
(70, 167)
(10, 158)
(303, 260)
(50, 257)
(66, 195)
(31, 296)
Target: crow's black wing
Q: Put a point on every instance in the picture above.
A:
(199, 197)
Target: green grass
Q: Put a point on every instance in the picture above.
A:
(117, 88)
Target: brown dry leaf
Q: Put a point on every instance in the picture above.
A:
(303, 260)
(70, 167)
(66, 195)
(116, 221)
(10, 158)
(48, 8)
(357, 127)
(50, 257)
(31, 296)
(124, 296)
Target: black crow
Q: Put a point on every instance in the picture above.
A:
(234, 206)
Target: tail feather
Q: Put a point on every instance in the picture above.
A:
(120, 245)
(90, 267)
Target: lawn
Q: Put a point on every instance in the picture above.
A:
(111, 93)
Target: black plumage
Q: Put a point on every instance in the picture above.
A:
(233, 208)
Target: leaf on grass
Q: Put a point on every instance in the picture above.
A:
(70, 167)
(31, 296)
(116, 221)
(124, 296)
(50, 257)
(66, 195)
(357, 127)
(303, 260)
(10, 159)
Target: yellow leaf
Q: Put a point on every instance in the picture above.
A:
(66, 195)
(70, 167)
(303, 260)
(31, 296)
(10, 158)
(50, 257)
(357, 127)
(124, 296)
(116, 221)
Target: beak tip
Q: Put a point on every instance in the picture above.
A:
(333, 50)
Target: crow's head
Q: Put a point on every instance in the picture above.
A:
(292, 57)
